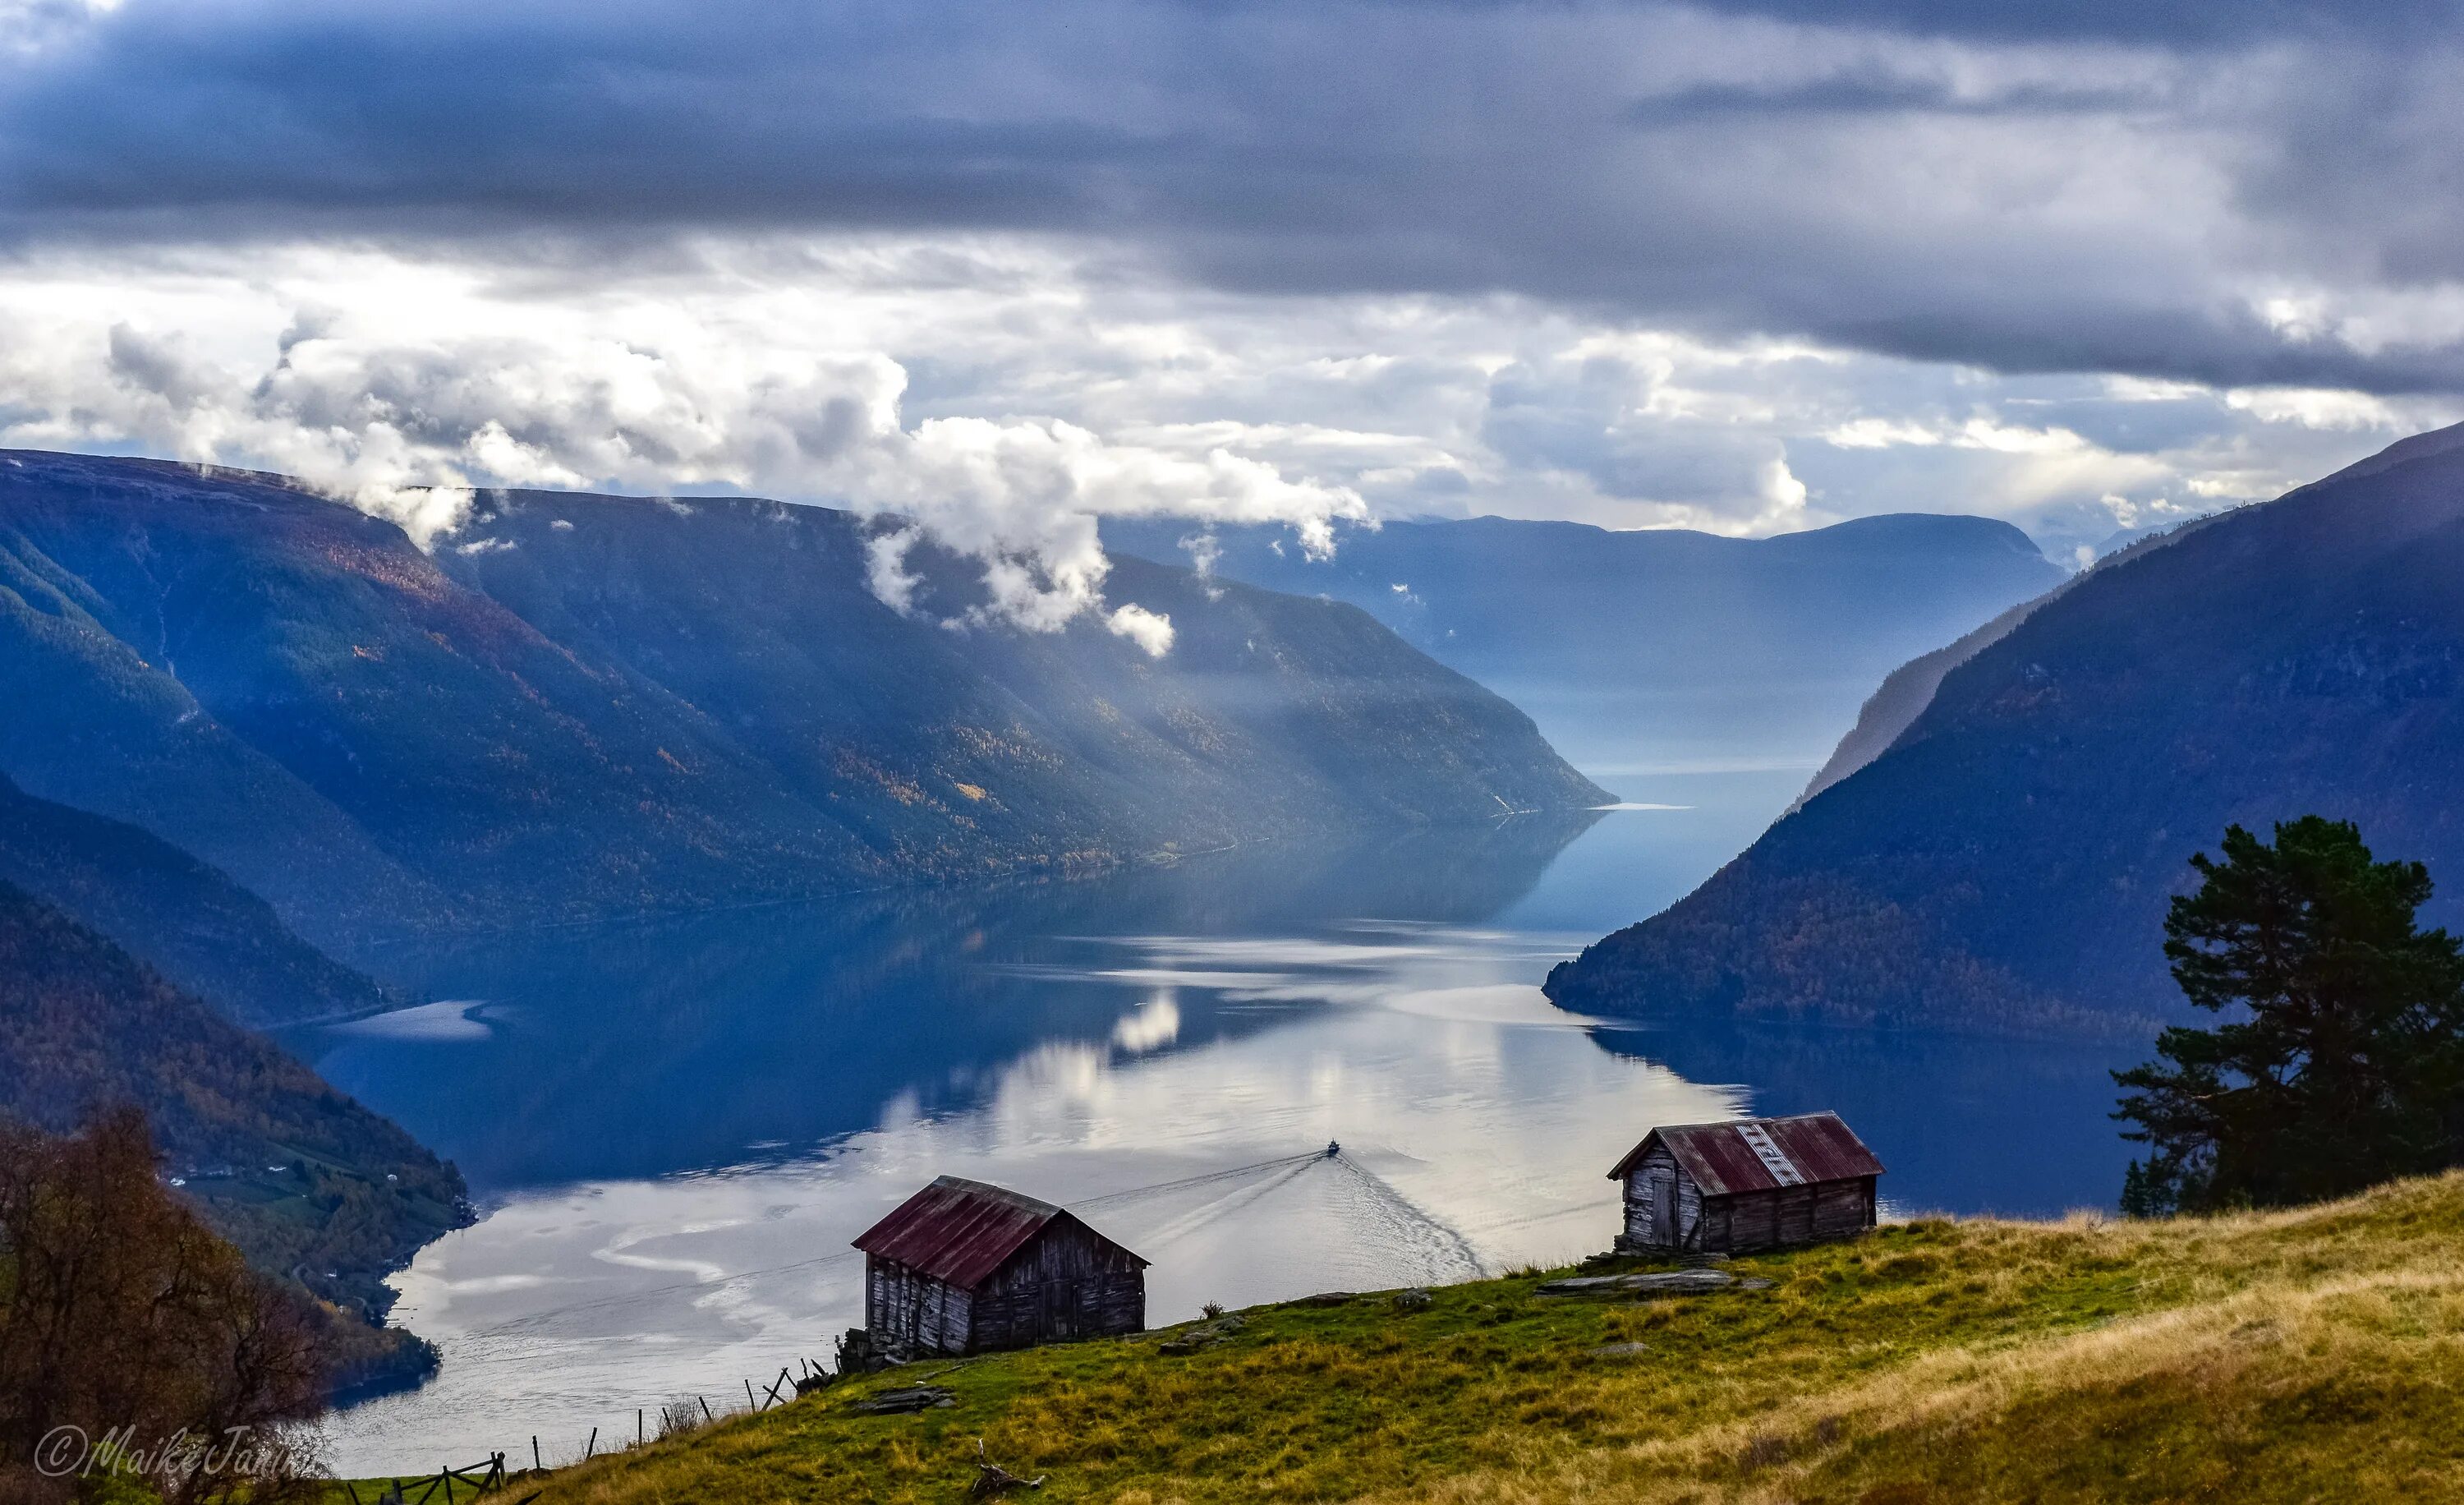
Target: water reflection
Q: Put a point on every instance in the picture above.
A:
(679, 1124)
(708, 1040)
(1969, 1125)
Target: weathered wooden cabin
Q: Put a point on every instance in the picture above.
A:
(1753, 1184)
(965, 1268)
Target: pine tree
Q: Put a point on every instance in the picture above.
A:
(2341, 1059)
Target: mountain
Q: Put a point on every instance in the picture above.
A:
(580, 706)
(190, 922)
(1907, 690)
(2005, 863)
(1659, 648)
(307, 1181)
(1903, 697)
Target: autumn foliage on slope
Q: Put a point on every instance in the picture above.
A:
(123, 1315)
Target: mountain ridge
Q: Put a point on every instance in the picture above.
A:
(1653, 648)
(2004, 864)
(377, 738)
(184, 918)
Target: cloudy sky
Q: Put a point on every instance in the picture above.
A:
(1750, 265)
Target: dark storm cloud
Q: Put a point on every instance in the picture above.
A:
(2200, 23)
(2067, 187)
(1877, 93)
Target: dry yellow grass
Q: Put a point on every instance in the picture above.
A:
(2292, 1356)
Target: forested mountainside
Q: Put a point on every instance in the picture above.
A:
(2005, 863)
(1660, 647)
(204, 933)
(586, 705)
(1907, 690)
(309, 1185)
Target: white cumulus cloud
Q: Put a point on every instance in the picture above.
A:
(1151, 631)
(407, 423)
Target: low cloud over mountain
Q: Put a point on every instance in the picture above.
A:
(1745, 266)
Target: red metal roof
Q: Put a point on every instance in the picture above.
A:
(962, 1230)
(1724, 1157)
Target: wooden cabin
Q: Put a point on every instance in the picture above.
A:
(1751, 1184)
(965, 1268)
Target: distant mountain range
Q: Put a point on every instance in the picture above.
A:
(1653, 648)
(1998, 848)
(580, 706)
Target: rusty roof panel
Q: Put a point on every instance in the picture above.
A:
(960, 1231)
(1823, 1148)
(1813, 1146)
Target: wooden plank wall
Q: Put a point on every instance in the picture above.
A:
(1790, 1216)
(1689, 1222)
(1844, 1209)
(1068, 1283)
(912, 1313)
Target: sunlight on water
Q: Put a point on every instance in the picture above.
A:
(677, 1127)
(1477, 1123)
(451, 1019)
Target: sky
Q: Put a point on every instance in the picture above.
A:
(1747, 265)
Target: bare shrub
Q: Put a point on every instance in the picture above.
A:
(681, 1417)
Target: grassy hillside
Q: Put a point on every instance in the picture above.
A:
(2287, 1356)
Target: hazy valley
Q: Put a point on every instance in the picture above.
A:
(1999, 862)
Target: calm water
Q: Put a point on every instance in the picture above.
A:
(675, 1127)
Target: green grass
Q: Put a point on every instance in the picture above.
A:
(2261, 1356)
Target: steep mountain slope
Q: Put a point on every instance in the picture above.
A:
(1659, 648)
(305, 1180)
(583, 705)
(2005, 863)
(1907, 690)
(1269, 713)
(87, 647)
(195, 925)
(1901, 698)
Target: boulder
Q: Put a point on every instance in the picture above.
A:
(1204, 1336)
(904, 1401)
(1654, 1283)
